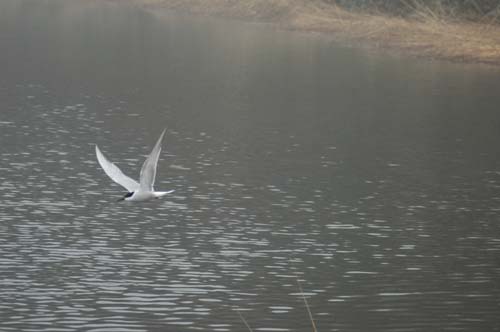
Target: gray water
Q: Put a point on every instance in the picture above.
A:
(372, 179)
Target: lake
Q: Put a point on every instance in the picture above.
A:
(365, 182)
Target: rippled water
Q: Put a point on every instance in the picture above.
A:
(373, 180)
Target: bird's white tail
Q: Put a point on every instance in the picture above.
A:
(159, 194)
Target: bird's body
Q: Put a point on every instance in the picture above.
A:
(137, 191)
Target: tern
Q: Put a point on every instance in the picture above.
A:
(142, 191)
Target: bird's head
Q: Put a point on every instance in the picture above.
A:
(127, 195)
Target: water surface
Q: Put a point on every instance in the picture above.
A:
(372, 179)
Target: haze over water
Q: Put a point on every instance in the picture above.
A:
(374, 180)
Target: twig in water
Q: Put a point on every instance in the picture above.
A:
(307, 307)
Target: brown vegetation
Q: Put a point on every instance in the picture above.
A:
(427, 32)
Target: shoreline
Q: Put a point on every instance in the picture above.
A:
(427, 36)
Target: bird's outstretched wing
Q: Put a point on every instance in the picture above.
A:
(148, 170)
(115, 173)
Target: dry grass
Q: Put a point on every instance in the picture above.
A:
(430, 32)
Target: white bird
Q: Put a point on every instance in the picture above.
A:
(142, 191)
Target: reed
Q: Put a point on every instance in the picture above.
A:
(313, 324)
(244, 321)
(307, 307)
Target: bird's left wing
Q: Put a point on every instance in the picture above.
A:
(115, 173)
(148, 170)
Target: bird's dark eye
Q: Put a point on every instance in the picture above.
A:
(129, 194)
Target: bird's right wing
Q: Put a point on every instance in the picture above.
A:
(148, 170)
(115, 173)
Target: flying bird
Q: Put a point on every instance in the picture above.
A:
(142, 191)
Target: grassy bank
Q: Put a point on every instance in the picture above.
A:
(436, 32)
